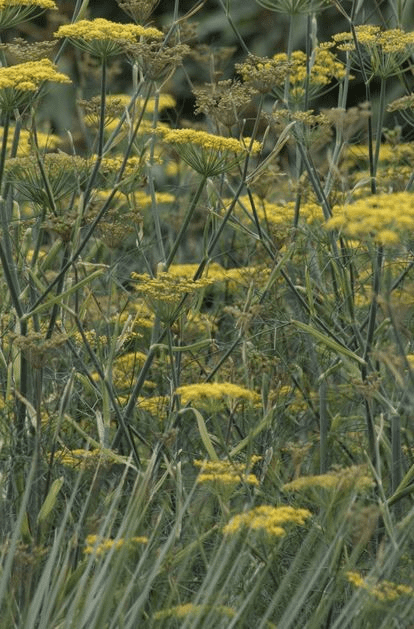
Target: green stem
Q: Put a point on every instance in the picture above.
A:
(185, 223)
(289, 54)
(380, 120)
(101, 136)
(150, 174)
(323, 427)
(366, 81)
(100, 214)
(339, 142)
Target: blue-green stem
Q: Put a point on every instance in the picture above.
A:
(101, 130)
(339, 142)
(380, 120)
(323, 428)
(185, 222)
(9, 271)
(289, 54)
(100, 214)
(150, 171)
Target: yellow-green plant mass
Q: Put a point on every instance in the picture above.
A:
(103, 38)
(381, 590)
(386, 218)
(324, 67)
(27, 77)
(272, 521)
(384, 51)
(19, 82)
(206, 315)
(225, 472)
(97, 545)
(209, 154)
(353, 478)
(13, 12)
(213, 393)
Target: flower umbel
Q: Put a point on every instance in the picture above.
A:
(216, 393)
(14, 12)
(385, 218)
(208, 154)
(324, 67)
(267, 519)
(351, 478)
(381, 590)
(383, 52)
(165, 292)
(97, 545)
(103, 38)
(19, 82)
(226, 473)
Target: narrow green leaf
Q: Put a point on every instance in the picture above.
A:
(331, 343)
(50, 500)
(202, 429)
(66, 293)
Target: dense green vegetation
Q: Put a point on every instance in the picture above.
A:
(206, 315)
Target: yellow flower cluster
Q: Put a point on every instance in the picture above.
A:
(391, 41)
(262, 73)
(111, 165)
(208, 141)
(45, 141)
(82, 459)
(403, 152)
(42, 4)
(168, 287)
(102, 38)
(117, 103)
(101, 29)
(154, 405)
(14, 12)
(213, 392)
(123, 369)
(268, 519)
(384, 51)
(216, 273)
(354, 477)
(189, 609)
(226, 472)
(383, 217)
(208, 154)
(385, 591)
(324, 69)
(27, 77)
(143, 200)
(165, 293)
(98, 545)
(275, 214)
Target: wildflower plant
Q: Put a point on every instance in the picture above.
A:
(102, 38)
(20, 83)
(14, 12)
(206, 356)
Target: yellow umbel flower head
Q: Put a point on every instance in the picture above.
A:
(103, 38)
(209, 154)
(383, 52)
(313, 75)
(13, 12)
(385, 591)
(166, 293)
(386, 218)
(19, 82)
(216, 394)
(270, 520)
